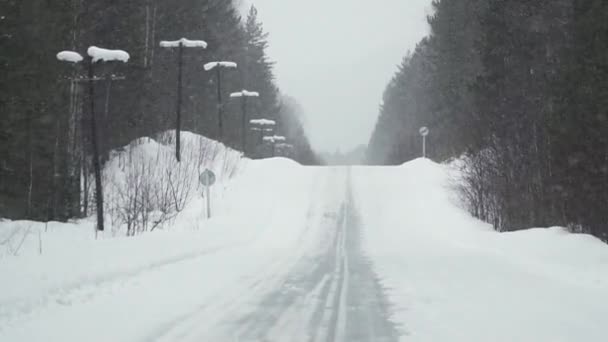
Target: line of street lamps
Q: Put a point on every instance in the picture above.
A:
(96, 55)
(218, 67)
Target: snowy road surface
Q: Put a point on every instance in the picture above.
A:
(324, 289)
(331, 295)
(313, 254)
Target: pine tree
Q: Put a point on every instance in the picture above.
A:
(516, 88)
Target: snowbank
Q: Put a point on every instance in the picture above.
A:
(141, 181)
(453, 278)
(129, 289)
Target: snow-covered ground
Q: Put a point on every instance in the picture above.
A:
(297, 253)
(138, 289)
(61, 284)
(452, 278)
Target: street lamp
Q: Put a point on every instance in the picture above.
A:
(262, 132)
(243, 95)
(263, 125)
(285, 147)
(180, 45)
(218, 66)
(273, 141)
(95, 55)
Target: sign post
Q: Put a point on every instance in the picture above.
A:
(207, 179)
(424, 132)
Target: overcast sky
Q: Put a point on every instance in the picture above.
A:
(335, 58)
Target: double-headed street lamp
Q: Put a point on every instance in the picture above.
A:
(274, 141)
(286, 148)
(263, 126)
(95, 55)
(180, 45)
(218, 66)
(243, 95)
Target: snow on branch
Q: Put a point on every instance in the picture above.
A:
(69, 56)
(184, 42)
(213, 65)
(245, 93)
(105, 55)
(263, 122)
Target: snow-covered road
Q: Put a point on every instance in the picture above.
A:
(331, 294)
(322, 289)
(316, 254)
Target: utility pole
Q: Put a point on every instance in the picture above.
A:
(180, 45)
(218, 66)
(95, 55)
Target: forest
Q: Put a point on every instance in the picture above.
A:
(46, 104)
(515, 91)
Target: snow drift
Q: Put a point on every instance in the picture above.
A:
(453, 278)
(65, 292)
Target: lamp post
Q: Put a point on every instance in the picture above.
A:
(218, 66)
(95, 55)
(286, 148)
(273, 141)
(262, 131)
(180, 45)
(243, 95)
(262, 126)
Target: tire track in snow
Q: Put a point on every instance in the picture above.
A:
(259, 285)
(302, 283)
(368, 307)
(336, 297)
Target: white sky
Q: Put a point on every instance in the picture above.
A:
(335, 57)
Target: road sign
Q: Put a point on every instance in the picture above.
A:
(207, 178)
(424, 131)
